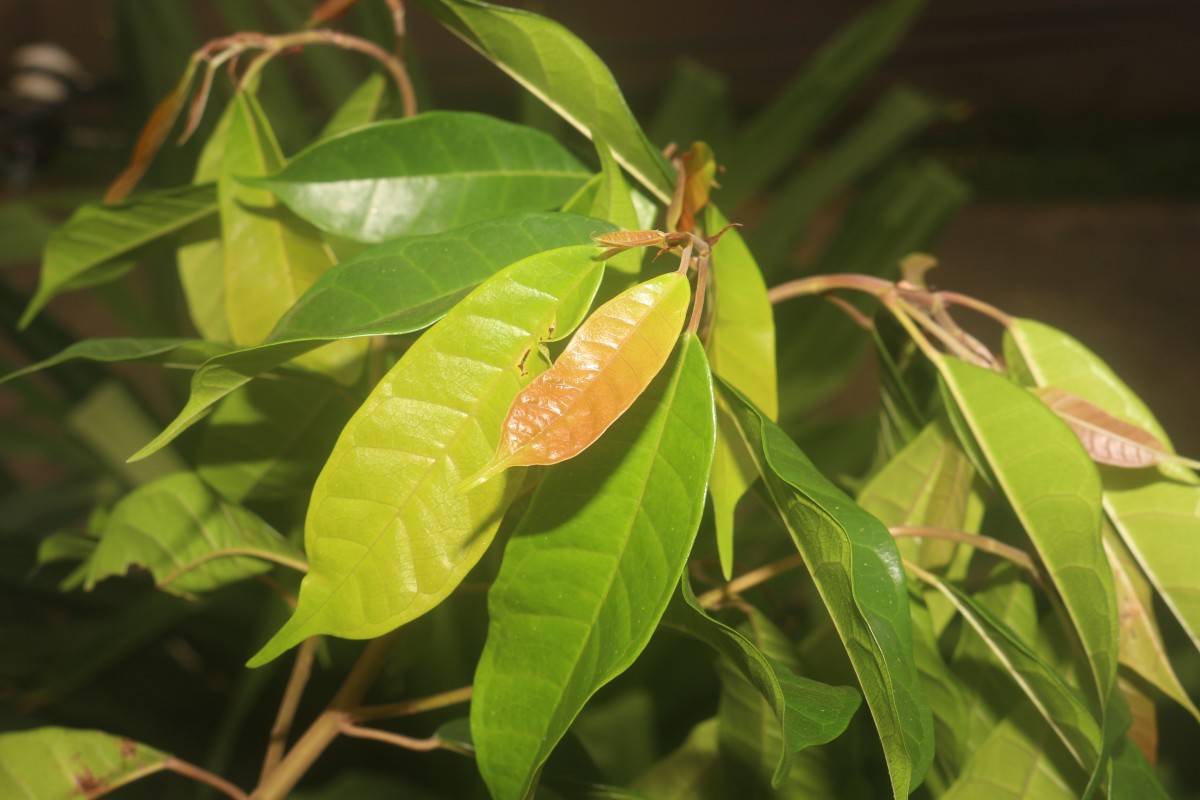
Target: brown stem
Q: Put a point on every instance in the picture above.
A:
(701, 284)
(325, 727)
(204, 776)
(819, 284)
(857, 317)
(416, 706)
(977, 305)
(398, 739)
(301, 670)
(978, 541)
(715, 597)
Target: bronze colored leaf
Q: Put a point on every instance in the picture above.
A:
(1108, 440)
(609, 362)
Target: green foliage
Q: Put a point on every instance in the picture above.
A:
(382, 313)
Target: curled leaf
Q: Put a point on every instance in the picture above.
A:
(609, 362)
(151, 139)
(1108, 440)
(700, 170)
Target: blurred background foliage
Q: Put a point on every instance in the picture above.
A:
(1047, 151)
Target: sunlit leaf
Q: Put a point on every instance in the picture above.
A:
(589, 571)
(1108, 440)
(1154, 510)
(1059, 704)
(360, 108)
(559, 69)
(189, 539)
(99, 237)
(46, 763)
(741, 350)
(699, 178)
(425, 174)
(1054, 490)
(606, 366)
(1020, 760)
(613, 201)
(799, 712)
(856, 568)
(387, 538)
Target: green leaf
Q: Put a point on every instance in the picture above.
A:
(560, 70)
(386, 536)
(1020, 760)
(945, 697)
(201, 262)
(799, 112)
(856, 568)
(590, 570)
(425, 174)
(891, 122)
(1154, 510)
(360, 108)
(270, 257)
(613, 201)
(929, 483)
(1061, 705)
(741, 350)
(694, 771)
(393, 288)
(803, 711)
(100, 236)
(1132, 777)
(189, 539)
(172, 352)
(1054, 489)
(46, 763)
(269, 440)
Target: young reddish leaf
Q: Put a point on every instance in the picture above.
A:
(699, 169)
(610, 361)
(151, 139)
(1107, 439)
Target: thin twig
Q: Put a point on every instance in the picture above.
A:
(398, 739)
(204, 776)
(819, 284)
(301, 670)
(405, 708)
(232, 552)
(716, 597)
(978, 541)
(857, 317)
(977, 305)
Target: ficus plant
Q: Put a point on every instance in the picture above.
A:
(514, 430)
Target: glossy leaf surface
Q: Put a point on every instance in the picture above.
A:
(386, 536)
(1054, 490)
(559, 69)
(51, 763)
(97, 236)
(589, 571)
(856, 568)
(606, 366)
(1155, 510)
(741, 350)
(803, 712)
(393, 288)
(425, 174)
(188, 538)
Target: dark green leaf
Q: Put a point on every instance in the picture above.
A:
(99, 236)
(172, 352)
(558, 68)
(856, 569)
(425, 174)
(590, 570)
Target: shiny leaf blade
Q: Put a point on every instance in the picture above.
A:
(425, 174)
(99, 235)
(559, 69)
(741, 350)
(1054, 489)
(386, 536)
(45, 763)
(607, 365)
(856, 568)
(393, 288)
(1156, 512)
(805, 712)
(589, 571)
(189, 539)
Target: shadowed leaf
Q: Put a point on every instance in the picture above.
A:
(48, 763)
